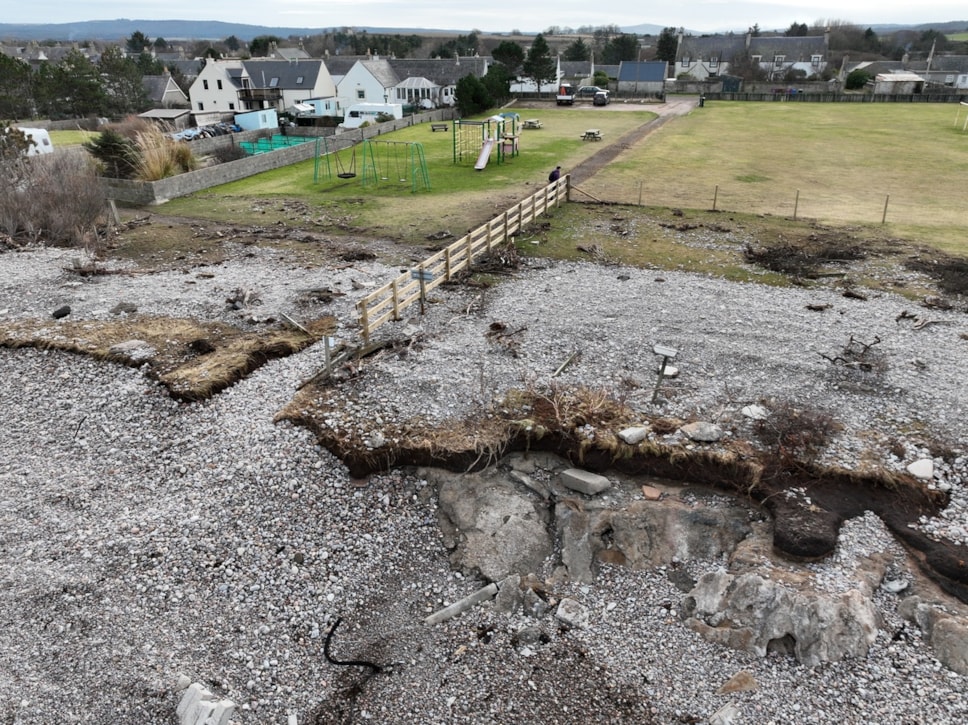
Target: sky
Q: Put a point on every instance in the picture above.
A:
(491, 16)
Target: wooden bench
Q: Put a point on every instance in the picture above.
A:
(438, 127)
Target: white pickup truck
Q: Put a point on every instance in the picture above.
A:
(566, 94)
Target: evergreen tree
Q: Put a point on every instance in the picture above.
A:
(510, 55)
(123, 85)
(137, 42)
(16, 88)
(578, 50)
(621, 47)
(667, 46)
(539, 65)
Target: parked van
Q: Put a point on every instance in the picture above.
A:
(565, 95)
(360, 113)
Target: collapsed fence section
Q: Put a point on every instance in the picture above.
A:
(388, 302)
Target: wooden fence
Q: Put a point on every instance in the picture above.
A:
(387, 303)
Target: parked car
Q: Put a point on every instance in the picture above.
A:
(600, 99)
(588, 92)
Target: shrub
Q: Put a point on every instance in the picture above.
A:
(58, 201)
(856, 80)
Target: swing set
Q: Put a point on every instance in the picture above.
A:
(323, 155)
(382, 161)
(401, 161)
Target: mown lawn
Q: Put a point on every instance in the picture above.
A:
(836, 163)
(460, 198)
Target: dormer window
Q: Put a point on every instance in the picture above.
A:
(778, 60)
(299, 81)
(273, 83)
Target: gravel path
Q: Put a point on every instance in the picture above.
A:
(142, 538)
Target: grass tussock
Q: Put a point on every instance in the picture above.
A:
(194, 360)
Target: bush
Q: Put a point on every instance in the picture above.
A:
(135, 149)
(856, 80)
(58, 201)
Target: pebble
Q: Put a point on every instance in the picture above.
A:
(131, 518)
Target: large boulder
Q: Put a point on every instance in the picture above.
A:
(645, 533)
(758, 615)
(493, 527)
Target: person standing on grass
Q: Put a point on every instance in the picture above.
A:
(555, 174)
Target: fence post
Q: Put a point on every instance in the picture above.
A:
(447, 264)
(396, 300)
(884, 215)
(715, 196)
(507, 216)
(364, 321)
(567, 187)
(796, 205)
(640, 192)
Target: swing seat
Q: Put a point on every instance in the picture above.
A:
(346, 175)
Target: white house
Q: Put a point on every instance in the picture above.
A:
(227, 87)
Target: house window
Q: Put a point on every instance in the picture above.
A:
(299, 81)
(360, 93)
(219, 84)
(714, 62)
(205, 85)
(201, 106)
(815, 60)
(231, 106)
(685, 61)
(273, 83)
(757, 59)
(778, 60)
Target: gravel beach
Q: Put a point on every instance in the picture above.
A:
(144, 540)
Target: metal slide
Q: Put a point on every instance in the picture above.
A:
(485, 154)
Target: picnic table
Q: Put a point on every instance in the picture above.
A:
(592, 134)
(532, 123)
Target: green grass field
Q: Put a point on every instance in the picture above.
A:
(843, 161)
(837, 164)
(460, 197)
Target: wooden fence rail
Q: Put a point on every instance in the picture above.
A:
(388, 302)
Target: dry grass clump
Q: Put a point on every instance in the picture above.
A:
(160, 156)
(795, 434)
(194, 360)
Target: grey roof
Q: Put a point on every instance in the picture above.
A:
(339, 65)
(649, 71)
(188, 68)
(442, 71)
(292, 75)
(794, 48)
(610, 70)
(155, 86)
(720, 47)
(290, 54)
(950, 63)
(576, 68)
(382, 72)
(166, 114)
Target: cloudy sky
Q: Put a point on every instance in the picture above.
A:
(488, 15)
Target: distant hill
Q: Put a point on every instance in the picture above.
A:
(168, 29)
(116, 30)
